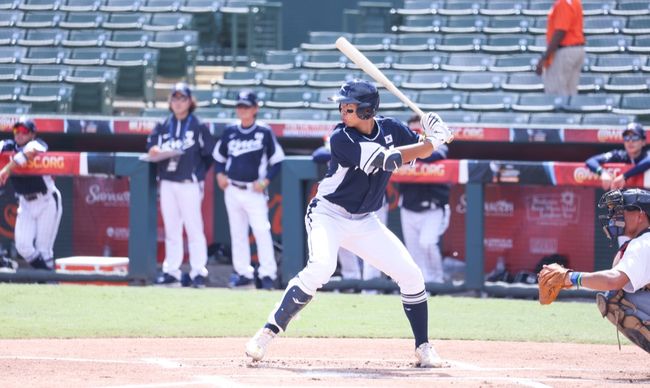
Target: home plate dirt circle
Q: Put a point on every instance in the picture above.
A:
(317, 362)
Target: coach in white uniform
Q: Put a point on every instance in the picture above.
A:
(39, 201)
(248, 157)
(181, 185)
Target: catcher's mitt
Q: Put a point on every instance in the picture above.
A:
(551, 279)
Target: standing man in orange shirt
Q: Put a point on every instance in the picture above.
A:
(560, 64)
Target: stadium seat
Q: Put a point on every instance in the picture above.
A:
(390, 101)
(537, 7)
(502, 7)
(586, 103)
(228, 97)
(641, 44)
(42, 19)
(268, 113)
(37, 5)
(597, 7)
(507, 43)
(429, 80)
(10, 18)
(504, 118)
(538, 102)
(607, 44)
(137, 72)
(523, 82)
(331, 78)
(609, 119)
(14, 108)
(46, 73)
(538, 25)
(591, 82)
(72, 6)
(401, 115)
(120, 6)
(290, 98)
(44, 55)
(482, 81)
(11, 54)
(383, 60)
(94, 89)
(515, 63)
(415, 42)
(82, 20)
(421, 24)
(280, 60)
(498, 101)
(461, 42)
(439, 100)
(286, 78)
(10, 91)
(12, 72)
(416, 61)
(209, 113)
(460, 7)
(618, 63)
(466, 62)
(48, 98)
(373, 41)
(634, 104)
(126, 21)
(560, 119)
(204, 97)
(162, 6)
(326, 60)
(538, 45)
(86, 38)
(631, 8)
(10, 36)
(168, 22)
(627, 83)
(302, 114)
(603, 25)
(323, 40)
(246, 78)
(462, 24)
(637, 25)
(87, 56)
(395, 76)
(322, 100)
(43, 37)
(177, 53)
(128, 38)
(460, 117)
(506, 25)
(418, 7)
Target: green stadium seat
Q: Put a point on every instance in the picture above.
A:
(43, 37)
(502, 7)
(169, 22)
(205, 97)
(467, 62)
(44, 55)
(608, 43)
(460, 7)
(87, 56)
(429, 80)
(14, 108)
(246, 78)
(37, 5)
(590, 82)
(280, 60)
(373, 41)
(417, 61)
(460, 117)
(268, 113)
(627, 83)
(128, 38)
(10, 36)
(383, 60)
(82, 20)
(322, 101)
(637, 25)
(323, 40)
(523, 82)
(641, 44)
(537, 8)
(507, 43)
(46, 73)
(481, 81)
(177, 53)
(634, 104)
(6, 5)
(11, 54)
(286, 78)
(10, 91)
(41, 19)
(461, 42)
(499, 101)
(538, 25)
(120, 6)
(12, 72)
(603, 25)
(607, 119)
(514, 63)
(462, 24)
(618, 63)
(597, 7)
(390, 101)
(631, 8)
(421, 24)
(326, 60)
(48, 98)
(86, 38)
(138, 70)
(585, 103)
(506, 25)
(401, 115)
(418, 7)
(504, 118)
(440, 100)
(94, 89)
(415, 42)
(538, 102)
(166, 6)
(560, 119)
(126, 21)
(72, 6)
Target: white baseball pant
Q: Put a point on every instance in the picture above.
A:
(180, 204)
(247, 207)
(37, 225)
(330, 227)
(422, 231)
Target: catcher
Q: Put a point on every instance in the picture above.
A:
(626, 302)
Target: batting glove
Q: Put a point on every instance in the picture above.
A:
(435, 130)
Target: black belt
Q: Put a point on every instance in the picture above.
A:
(239, 186)
(32, 196)
(572, 45)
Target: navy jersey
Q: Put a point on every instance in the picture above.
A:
(641, 163)
(190, 136)
(422, 196)
(351, 182)
(28, 184)
(248, 154)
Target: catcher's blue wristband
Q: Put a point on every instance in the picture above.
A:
(576, 279)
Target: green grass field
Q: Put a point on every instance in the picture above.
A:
(66, 311)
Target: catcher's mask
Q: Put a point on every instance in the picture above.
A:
(359, 92)
(615, 202)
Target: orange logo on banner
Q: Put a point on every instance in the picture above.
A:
(609, 135)
(469, 133)
(583, 174)
(9, 222)
(141, 126)
(275, 208)
(49, 162)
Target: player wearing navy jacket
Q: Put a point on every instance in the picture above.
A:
(181, 185)
(39, 201)
(424, 212)
(366, 149)
(248, 157)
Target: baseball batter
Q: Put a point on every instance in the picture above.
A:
(248, 157)
(39, 201)
(366, 149)
(626, 302)
(181, 185)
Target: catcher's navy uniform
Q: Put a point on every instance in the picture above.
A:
(181, 191)
(248, 155)
(39, 210)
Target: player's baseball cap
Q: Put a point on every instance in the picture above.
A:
(246, 98)
(634, 129)
(24, 126)
(182, 89)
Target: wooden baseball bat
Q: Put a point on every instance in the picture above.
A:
(369, 68)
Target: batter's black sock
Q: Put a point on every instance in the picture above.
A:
(272, 327)
(415, 307)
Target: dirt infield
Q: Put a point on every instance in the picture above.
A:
(219, 362)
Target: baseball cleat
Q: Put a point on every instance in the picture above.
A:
(256, 346)
(428, 358)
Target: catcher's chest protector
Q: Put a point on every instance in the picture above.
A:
(629, 312)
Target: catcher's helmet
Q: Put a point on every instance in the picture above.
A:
(359, 92)
(634, 128)
(615, 202)
(29, 124)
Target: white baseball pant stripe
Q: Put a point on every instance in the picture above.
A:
(180, 204)
(247, 207)
(330, 227)
(37, 225)
(422, 231)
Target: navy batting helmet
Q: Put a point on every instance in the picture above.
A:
(27, 124)
(362, 93)
(615, 202)
(634, 128)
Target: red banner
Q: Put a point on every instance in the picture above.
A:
(525, 223)
(443, 171)
(577, 174)
(604, 135)
(134, 126)
(303, 129)
(481, 134)
(49, 163)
